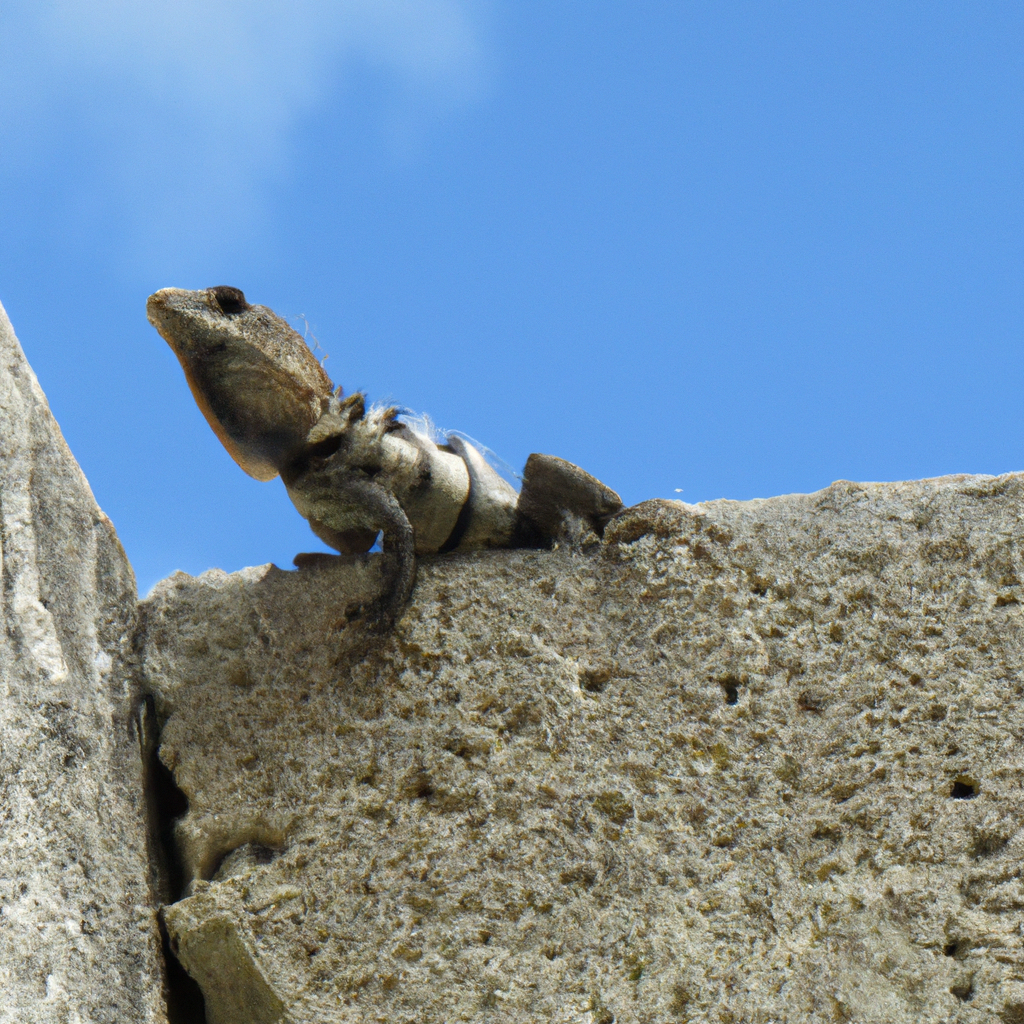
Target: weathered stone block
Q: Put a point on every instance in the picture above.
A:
(742, 761)
(78, 938)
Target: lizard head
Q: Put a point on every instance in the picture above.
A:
(252, 376)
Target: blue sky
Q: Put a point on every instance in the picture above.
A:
(737, 249)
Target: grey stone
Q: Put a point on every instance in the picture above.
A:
(78, 939)
(738, 762)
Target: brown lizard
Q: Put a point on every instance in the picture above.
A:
(356, 473)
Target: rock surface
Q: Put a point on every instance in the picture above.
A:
(739, 762)
(78, 940)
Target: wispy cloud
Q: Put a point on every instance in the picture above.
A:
(180, 108)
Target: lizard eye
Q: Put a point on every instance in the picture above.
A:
(230, 300)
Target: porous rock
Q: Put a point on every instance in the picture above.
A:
(737, 762)
(78, 938)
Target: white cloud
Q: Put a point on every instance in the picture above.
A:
(177, 108)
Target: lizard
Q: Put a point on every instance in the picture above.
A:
(357, 473)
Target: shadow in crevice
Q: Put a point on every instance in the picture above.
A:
(185, 1003)
(165, 804)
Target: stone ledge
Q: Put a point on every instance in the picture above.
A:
(743, 761)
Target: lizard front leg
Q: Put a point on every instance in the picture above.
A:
(343, 506)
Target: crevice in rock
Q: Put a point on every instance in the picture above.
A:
(185, 1002)
(165, 804)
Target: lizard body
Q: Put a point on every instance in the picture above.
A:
(355, 473)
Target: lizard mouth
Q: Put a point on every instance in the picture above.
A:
(164, 306)
(189, 320)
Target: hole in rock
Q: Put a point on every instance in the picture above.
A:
(594, 680)
(249, 847)
(963, 788)
(949, 949)
(964, 991)
(242, 858)
(731, 688)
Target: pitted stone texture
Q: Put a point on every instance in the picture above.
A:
(742, 762)
(78, 938)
